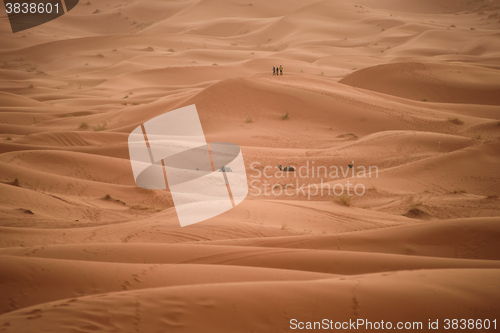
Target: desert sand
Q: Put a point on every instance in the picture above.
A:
(411, 88)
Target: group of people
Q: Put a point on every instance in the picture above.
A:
(278, 70)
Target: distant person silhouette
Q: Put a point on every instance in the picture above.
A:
(281, 70)
(274, 70)
(277, 70)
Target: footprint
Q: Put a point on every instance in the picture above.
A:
(355, 306)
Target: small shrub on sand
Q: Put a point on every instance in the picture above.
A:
(350, 136)
(249, 120)
(16, 182)
(107, 197)
(9, 138)
(100, 127)
(285, 116)
(498, 124)
(139, 207)
(417, 213)
(83, 126)
(455, 121)
(31, 86)
(345, 200)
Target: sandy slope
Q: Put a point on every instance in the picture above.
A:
(410, 88)
(463, 238)
(263, 306)
(431, 82)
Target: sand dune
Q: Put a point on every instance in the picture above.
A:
(205, 307)
(60, 279)
(406, 89)
(450, 239)
(431, 82)
(330, 262)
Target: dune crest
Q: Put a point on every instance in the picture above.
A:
(394, 102)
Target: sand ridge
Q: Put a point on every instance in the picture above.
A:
(409, 87)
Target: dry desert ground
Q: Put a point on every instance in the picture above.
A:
(410, 88)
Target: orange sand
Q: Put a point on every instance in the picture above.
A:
(411, 87)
